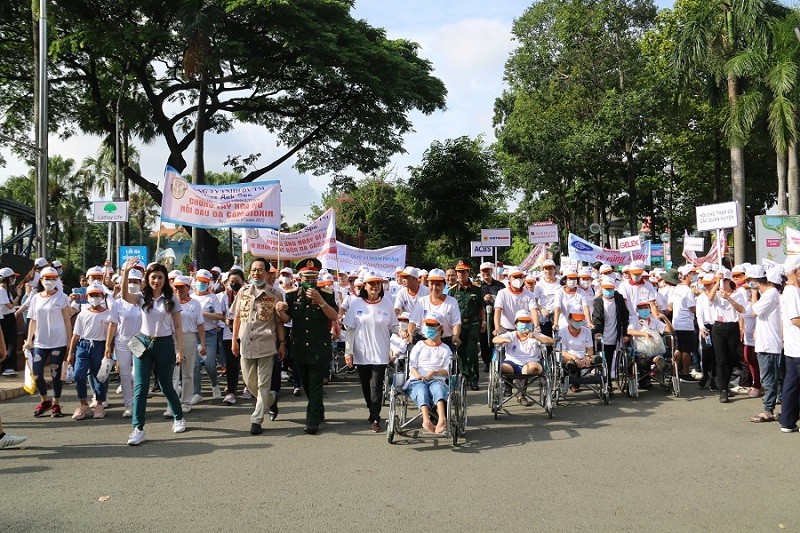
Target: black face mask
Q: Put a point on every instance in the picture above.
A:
(235, 286)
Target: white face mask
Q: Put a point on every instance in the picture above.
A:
(94, 301)
(49, 284)
(586, 283)
(572, 283)
(134, 288)
(517, 283)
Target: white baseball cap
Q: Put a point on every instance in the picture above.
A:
(436, 274)
(486, 265)
(755, 272)
(522, 316)
(548, 263)
(40, 262)
(410, 272)
(203, 275)
(775, 274)
(791, 264)
(134, 274)
(6, 272)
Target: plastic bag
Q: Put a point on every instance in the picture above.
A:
(105, 369)
(30, 379)
(652, 345)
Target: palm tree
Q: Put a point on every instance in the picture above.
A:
(143, 210)
(711, 34)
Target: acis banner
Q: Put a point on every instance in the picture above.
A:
(318, 239)
(383, 261)
(588, 252)
(254, 205)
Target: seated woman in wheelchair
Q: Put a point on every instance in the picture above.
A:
(428, 369)
(645, 331)
(577, 345)
(523, 350)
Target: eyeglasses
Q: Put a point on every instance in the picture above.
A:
(257, 270)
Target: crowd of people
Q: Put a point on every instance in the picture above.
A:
(736, 331)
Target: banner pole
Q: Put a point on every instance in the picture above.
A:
(279, 248)
(158, 237)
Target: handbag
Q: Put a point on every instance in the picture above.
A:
(140, 343)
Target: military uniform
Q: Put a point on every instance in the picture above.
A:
(470, 303)
(311, 346)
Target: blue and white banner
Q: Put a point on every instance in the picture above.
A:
(583, 250)
(382, 261)
(252, 205)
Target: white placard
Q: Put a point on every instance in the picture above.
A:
(630, 244)
(542, 232)
(693, 244)
(480, 250)
(717, 216)
(496, 237)
(110, 211)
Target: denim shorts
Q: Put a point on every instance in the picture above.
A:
(428, 392)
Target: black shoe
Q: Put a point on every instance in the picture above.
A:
(273, 412)
(310, 430)
(712, 385)
(474, 386)
(507, 392)
(486, 368)
(687, 377)
(296, 392)
(255, 429)
(723, 396)
(703, 381)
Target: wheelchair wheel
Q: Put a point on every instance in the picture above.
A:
(545, 381)
(623, 372)
(604, 382)
(391, 422)
(633, 383)
(388, 381)
(676, 381)
(495, 387)
(462, 411)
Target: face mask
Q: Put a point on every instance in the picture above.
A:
(524, 326)
(202, 286)
(517, 283)
(94, 301)
(643, 313)
(585, 283)
(48, 284)
(235, 286)
(134, 288)
(430, 332)
(577, 324)
(636, 278)
(572, 283)
(608, 293)
(259, 283)
(752, 284)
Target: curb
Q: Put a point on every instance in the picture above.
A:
(8, 394)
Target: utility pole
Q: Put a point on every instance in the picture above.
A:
(41, 135)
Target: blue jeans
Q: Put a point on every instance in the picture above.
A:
(210, 362)
(162, 357)
(56, 358)
(88, 357)
(790, 402)
(768, 364)
(428, 392)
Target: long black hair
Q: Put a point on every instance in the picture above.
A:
(147, 290)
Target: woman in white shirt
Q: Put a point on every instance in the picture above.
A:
(161, 317)
(523, 351)
(8, 320)
(577, 345)
(125, 322)
(428, 369)
(87, 349)
(370, 322)
(49, 330)
(725, 333)
(193, 327)
(706, 315)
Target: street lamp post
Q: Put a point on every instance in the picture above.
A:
(41, 136)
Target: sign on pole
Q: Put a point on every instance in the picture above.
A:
(693, 244)
(127, 252)
(630, 244)
(717, 216)
(496, 237)
(480, 250)
(109, 211)
(542, 232)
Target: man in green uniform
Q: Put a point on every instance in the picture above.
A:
(311, 312)
(473, 320)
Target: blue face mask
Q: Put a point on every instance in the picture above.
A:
(524, 326)
(430, 332)
(608, 293)
(259, 283)
(643, 313)
(202, 286)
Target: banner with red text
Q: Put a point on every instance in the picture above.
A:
(318, 239)
(583, 250)
(383, 261)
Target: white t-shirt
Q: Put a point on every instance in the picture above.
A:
(768, 335)
(209, 303)
(373, 325)
(638, 324)
(522, 352)
(426, 358)
(4, 301)
(549, 290)
(156, 321)
(705, 311)
(633, 294)
(451, 314)
(510, 303)
(576, 345)
(47, 312)
(790, 309)
(609, 321)
(92, 326)
(192, 316)
(405, 302)
(128, 318)
(724, 309)
(682, 300)
(568, 303)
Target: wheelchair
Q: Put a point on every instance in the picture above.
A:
(594, 377)
(630, 375)
(337, 364)
(398, 420)
(498, 382)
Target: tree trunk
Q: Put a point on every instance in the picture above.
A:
(792, 181)
(737, 180)
(781, 166)
(203, 251)
(715, 198)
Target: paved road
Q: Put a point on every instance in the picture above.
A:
(653, 464)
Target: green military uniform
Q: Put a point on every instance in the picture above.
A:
(470, 303)
(311, 346)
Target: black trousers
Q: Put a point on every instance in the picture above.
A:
(232, 368)
(725, 337)
(371, 378)
(707, 353)
(9, 327)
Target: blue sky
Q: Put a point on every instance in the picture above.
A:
(468, 42)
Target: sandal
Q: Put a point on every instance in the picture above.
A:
(574, 388)
(763, 417)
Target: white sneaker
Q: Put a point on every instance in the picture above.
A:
(126, 413)
(230, 399)
(11, 440)
(246, 394)
(216, 393)
(168, 413)
(196, 399)
(185, 407)
(285, 375)
(179, 426)
(119, 389)
(10, 372)
(136, 437)
(696, 374)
